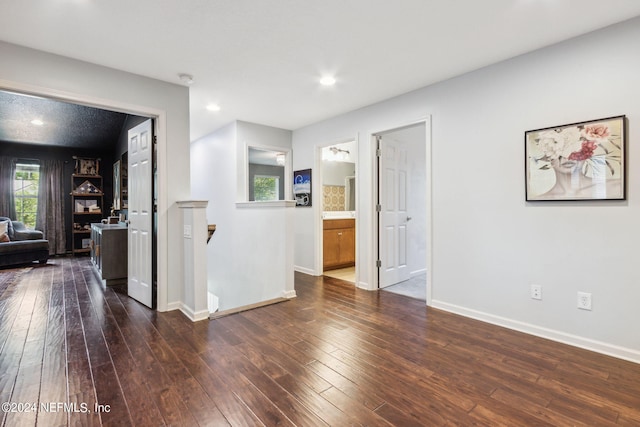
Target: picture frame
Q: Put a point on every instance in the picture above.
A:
(87, 166)
(577, 161)
(302, 188)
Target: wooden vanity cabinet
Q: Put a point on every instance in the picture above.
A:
(339, 243)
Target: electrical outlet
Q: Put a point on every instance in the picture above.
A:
(536, 291)
(584, 301)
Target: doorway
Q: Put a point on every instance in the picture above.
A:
(401, 209)
(338, 208)
(160, 291)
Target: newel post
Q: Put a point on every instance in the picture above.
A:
(194, 237)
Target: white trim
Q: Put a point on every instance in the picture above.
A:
(289, 294)
(193, 315)
(288, 168)
(267, 204)
(316, 188)
(426, 120)
(305, 270)
(551, 334)
(193, 204)
(363, 285)
(160, 120)
(318, 211)
(417, 272)
(175, 305)
(429, 196)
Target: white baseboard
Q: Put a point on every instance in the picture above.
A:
(304, 270)
(194, 316)
(289, 294)
(418, 272)
(364, 285)
(562, 337)
(174, 305)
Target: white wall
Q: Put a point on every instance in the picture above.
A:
(38, 72)
(489, 245)
(250, 256)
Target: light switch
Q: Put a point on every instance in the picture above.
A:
(187, 231)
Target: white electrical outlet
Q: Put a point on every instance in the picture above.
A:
(584, 301)
(536, 291)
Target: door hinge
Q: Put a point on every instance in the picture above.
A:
(378, 263)
(378, 208)
(155, 139)
(378, 152)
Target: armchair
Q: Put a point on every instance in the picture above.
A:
(24, 245)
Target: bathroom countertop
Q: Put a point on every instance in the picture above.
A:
(338, 214)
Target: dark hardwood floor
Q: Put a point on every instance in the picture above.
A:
(333, 356)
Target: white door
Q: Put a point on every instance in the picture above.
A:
(140, 258)
(393, 218)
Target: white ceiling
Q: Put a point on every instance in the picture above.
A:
(260, 60)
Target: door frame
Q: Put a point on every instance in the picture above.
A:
(159, 123)
(375, 230)
(316, 184)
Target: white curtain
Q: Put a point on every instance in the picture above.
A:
(7, 174)
(50, 217)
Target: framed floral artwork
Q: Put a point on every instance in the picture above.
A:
(578, 161)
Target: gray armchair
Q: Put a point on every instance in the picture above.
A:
(25, 246)
(21, 232)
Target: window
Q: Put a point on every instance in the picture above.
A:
(266, 188)
(25, 187)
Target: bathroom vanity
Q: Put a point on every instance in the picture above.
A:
(339, 243)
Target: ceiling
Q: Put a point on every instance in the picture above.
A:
(61, 123)
(261, 61)
(259, 156)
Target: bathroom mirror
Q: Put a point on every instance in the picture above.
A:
(339, 177)
(266, 174)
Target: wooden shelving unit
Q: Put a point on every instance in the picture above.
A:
(87, 202)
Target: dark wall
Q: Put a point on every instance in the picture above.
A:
(123, 143)
(38, 152)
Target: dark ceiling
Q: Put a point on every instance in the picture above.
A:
(64, 124)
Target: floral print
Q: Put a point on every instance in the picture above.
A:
(573, 143)
(579, 161)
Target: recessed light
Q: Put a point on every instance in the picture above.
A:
(328, 81)
(37, 122)
(213, 107)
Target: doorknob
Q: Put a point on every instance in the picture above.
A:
(408, 218)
